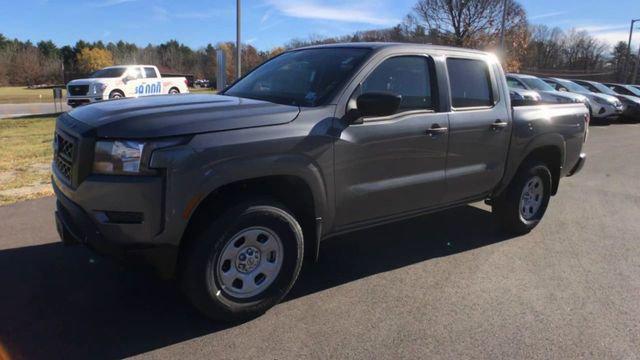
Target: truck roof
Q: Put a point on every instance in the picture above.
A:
(385, 45)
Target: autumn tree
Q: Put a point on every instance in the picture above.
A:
(92, 59)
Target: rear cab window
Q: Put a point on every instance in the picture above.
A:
(470, 83)
(150, 72)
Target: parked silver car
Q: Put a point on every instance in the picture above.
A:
(631, 102)
(546, 91)
(602, 106)
(524, 97)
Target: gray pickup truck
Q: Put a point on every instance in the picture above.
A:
(229, 193)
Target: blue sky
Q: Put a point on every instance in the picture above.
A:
(267, 23)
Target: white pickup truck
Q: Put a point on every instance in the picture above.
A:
(115, 82)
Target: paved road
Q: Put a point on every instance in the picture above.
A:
(441, 286)
(15, 110)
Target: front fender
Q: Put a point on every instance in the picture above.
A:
(299, 166)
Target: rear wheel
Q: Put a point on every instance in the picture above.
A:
(243, 263)
(174, 91)
(525, 201)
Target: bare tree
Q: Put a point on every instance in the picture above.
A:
(467, 22)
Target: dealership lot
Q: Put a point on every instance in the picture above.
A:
(444, 286)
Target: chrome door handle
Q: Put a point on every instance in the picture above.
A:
(499, 125)
(436, 130)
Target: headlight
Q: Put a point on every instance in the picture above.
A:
(603, 101)
(129, 157)
(99, 88)
(118, 157)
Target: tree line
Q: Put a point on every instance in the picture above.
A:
(474, 24)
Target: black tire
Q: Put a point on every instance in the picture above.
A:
(116, 94)
(174, 91)
(200, 277)
(507, 207)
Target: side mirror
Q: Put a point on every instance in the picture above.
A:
(378, 104)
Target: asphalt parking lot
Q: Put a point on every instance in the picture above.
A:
(446, 285)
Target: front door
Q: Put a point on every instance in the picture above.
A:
(393, 165)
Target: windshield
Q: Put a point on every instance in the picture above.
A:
(603, 89)
(109, 73)
(573, 86)
(635, 91)
(537, 84)
(303, 77)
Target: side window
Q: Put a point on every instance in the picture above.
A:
(515, 84)
(554, 85)
(470, 83)
(409, 76)
(150, 72)
(135, 73)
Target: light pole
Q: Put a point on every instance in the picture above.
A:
(238, 43)
(626, 59)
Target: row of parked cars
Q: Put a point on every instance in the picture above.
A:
(605, 101)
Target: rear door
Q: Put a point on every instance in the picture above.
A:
(480, 127)
(152, 83)
(392, 165)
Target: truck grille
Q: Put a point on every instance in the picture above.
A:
(63, 155)
(78, 90)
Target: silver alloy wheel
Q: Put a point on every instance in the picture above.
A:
(174, 92)
(531, 197)
(116, 96)
(249, 262)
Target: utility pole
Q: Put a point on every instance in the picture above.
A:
(628, 57)
(238, 43)
(635, 68)
(504, 20)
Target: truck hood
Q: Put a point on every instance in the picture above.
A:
(161, 116)
(89, 81)
(562, 96)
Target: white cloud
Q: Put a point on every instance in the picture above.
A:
(107, 3)
(265, 17)
(159, 13)
(608, 33)
(547, 15)
(356, 13)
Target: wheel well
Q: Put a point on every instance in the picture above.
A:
(293, 192)
(552, 157)
(174, 88)
(116, 91)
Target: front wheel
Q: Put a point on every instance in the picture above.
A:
(243, 263)
(525, 201)
(116, 94)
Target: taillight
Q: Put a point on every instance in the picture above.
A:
(186, 82)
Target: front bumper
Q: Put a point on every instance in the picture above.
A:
(607, 111)
(95, 214)
(75, 101)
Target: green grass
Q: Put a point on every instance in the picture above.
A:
(202, 90)
(19, 94)
(25, 158)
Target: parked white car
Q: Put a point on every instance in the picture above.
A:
(116, 82)
(601, 106)
(548, 93)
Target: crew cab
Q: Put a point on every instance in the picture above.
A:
(229, 193)
(116, 82)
